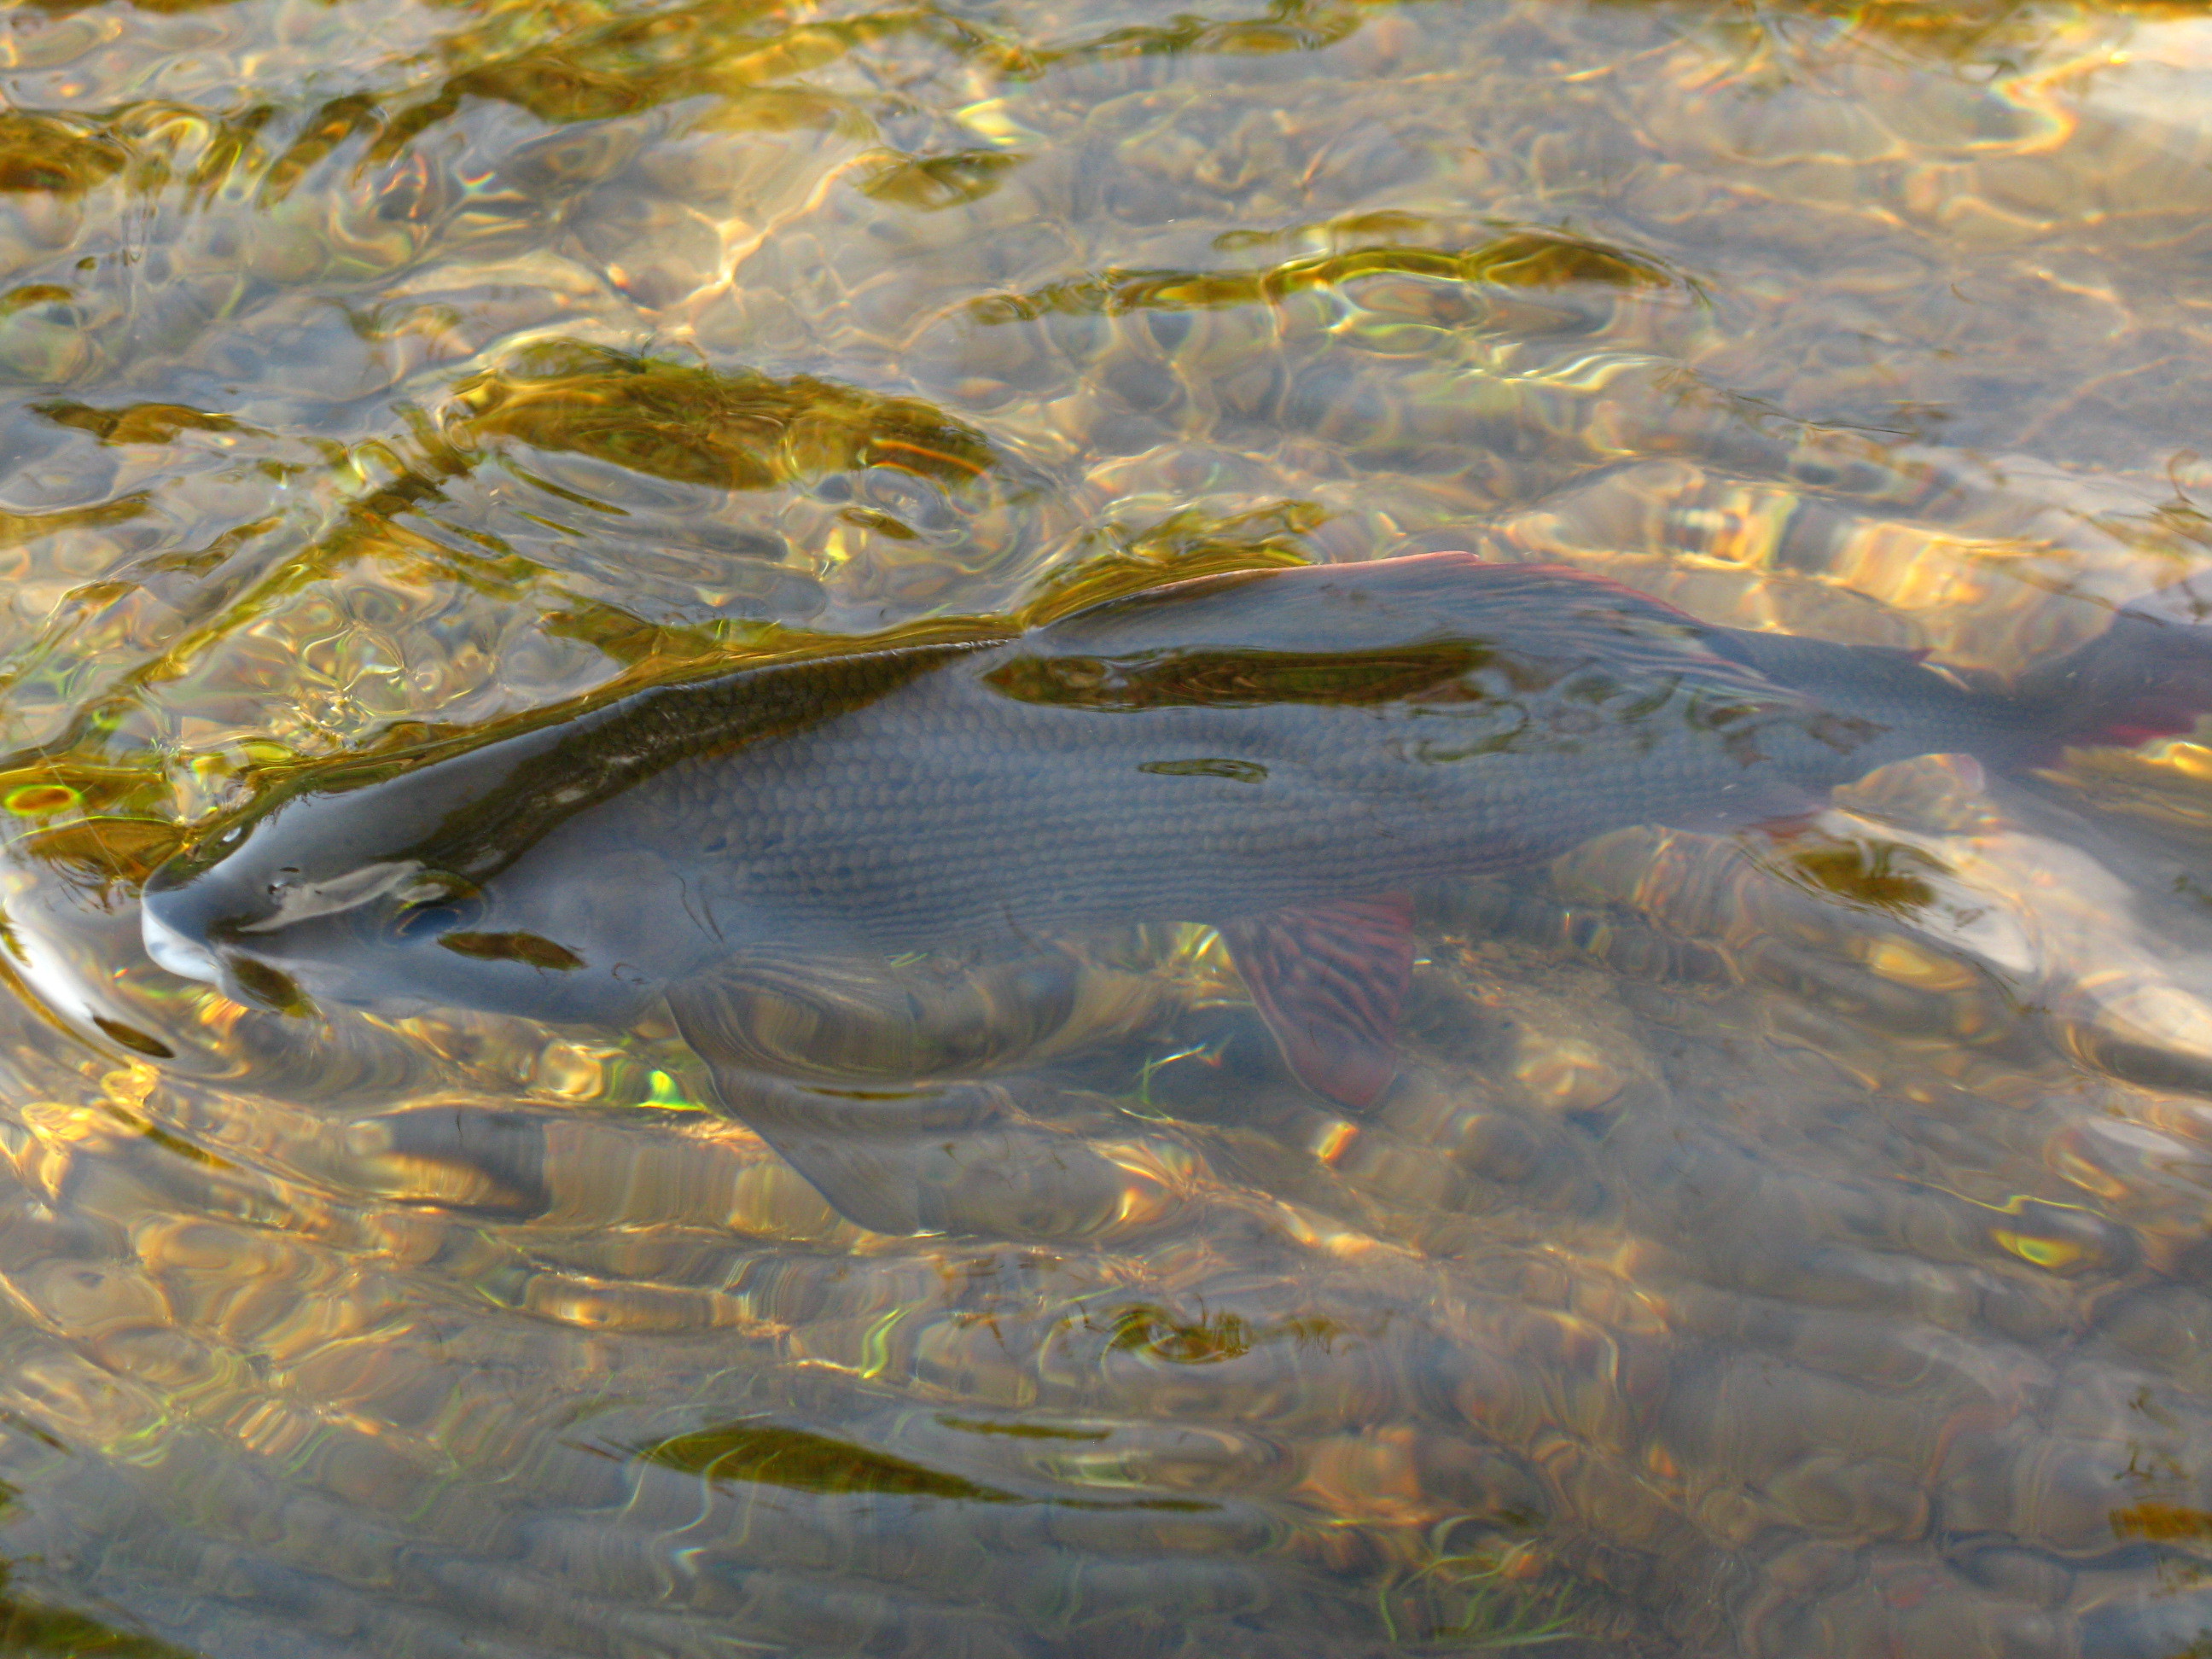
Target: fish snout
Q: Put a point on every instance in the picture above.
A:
(174, 951)
(191, 928)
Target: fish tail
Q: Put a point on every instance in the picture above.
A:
(2148, 676)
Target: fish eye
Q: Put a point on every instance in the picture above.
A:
(434, 904)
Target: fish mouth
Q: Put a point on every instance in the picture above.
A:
(242, 979)
(175, 953)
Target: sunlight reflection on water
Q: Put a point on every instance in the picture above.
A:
(1776, 1246)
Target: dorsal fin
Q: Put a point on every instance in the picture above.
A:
(1390, 606)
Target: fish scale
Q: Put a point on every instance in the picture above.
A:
(1041, 816)
(1281, 753)
(1020, 819)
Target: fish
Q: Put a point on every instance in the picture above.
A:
(1287, 755)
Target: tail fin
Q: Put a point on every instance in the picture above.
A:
(2150, 675)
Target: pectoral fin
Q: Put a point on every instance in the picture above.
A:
(1013, 1181)
(1330, 980)
(922, 1158)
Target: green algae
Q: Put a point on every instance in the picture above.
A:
(731, 431)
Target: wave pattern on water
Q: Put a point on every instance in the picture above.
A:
(1779, 1244)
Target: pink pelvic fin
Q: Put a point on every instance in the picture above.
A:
(1330, 980)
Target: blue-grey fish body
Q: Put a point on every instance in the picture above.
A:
(1281, 753)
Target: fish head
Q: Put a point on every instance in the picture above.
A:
(364, 893)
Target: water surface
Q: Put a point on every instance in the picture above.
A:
(1777, 1247)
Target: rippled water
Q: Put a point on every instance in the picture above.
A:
(1775, 1247)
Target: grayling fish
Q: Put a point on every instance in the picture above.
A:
(1282, 754)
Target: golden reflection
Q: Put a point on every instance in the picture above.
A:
(1880, 874)
(1523, 259)
(776, 1455)
(139, 423)
(734, 432)
(52, 153)
(39, 1632)
(1780, 1243)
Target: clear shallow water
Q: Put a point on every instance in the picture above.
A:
(1776, 1247)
